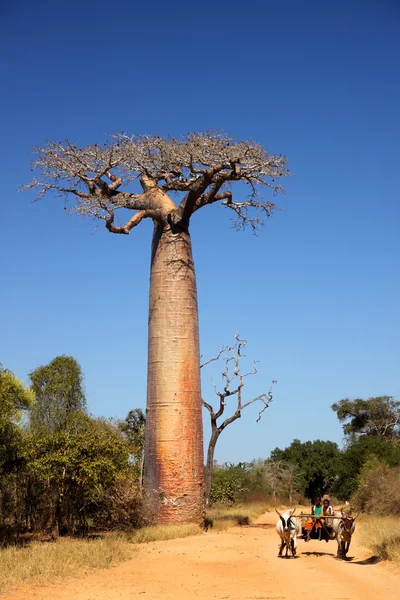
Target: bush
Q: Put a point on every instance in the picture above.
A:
(123, 508)
(255, 482)
(351, 461)
(378, 489)
(230, 484)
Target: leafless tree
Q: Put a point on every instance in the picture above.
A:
(167, 181)
(282, 477)
(233, 381)
(274, 474)
(291, 478)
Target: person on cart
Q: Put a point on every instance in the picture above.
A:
(327, 510)
(319, 527)
(317, 508)
(313, 526)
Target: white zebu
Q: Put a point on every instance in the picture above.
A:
(287, 528)
(344, 529)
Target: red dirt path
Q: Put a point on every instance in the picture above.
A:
(239, 564)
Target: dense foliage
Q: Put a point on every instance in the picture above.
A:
(316, 462)
(71, 469)
(377, 417)
(58, 388)
(133, 430)
(355, 455)
(231, 483)
(14, 399)
(59, 467)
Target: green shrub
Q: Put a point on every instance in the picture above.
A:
(230, 484)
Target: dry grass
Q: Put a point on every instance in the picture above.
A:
(157, 533)
(379, 490)
(222, 517)
(381, 535)
(41, 562)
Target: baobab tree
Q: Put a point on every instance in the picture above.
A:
(167, 181)
(233, 381)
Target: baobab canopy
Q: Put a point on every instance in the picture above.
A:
(201, 166)
(177, 177)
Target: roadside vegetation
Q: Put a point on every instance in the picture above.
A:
(221, 517)
(41, 562)
(70, 484)
(378, 497)
(381, 535)
(52, 561)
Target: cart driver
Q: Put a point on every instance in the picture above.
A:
(314, 524)
(317, 508)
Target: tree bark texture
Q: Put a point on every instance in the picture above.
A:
(173, 474)
(210, 463)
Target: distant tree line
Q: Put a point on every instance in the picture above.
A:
(366, 471)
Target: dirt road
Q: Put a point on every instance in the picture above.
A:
(239, 564)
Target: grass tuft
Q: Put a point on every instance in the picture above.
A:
(381, 535)
(42, 562)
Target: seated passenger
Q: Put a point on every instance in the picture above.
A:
(327, 510)
(314, 524)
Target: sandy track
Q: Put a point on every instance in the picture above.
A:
(239, 564)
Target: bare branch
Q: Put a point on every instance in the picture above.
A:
(233, 381)
(214, 358)
(135, 220)
(221, 408)
(208, 407)
(202, 166)
(229, 420)
(232, 372)
(242, 212)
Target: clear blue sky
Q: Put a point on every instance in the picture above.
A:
(317, 294)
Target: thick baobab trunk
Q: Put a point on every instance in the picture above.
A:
(174, 438)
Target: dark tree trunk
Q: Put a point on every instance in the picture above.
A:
(210, 463)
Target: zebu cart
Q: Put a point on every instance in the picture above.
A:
(317, 527)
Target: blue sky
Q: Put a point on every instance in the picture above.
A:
(316, 295)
